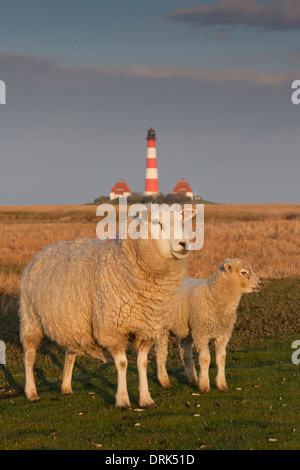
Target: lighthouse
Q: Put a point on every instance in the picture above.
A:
(151, 182)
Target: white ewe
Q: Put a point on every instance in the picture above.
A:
(90, 296)
(206, 309)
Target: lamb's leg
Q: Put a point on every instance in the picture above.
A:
(66, 386)
(161, 359)
(204, 362)
(220, 346)
(31, 337)
(186, 354)
(122, 398)
(145, 397)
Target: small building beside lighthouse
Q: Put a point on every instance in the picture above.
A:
(119, 189)
(183, 188)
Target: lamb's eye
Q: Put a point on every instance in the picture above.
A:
(244, 273)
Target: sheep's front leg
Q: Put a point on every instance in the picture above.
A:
(220, 346)
(142, 356)
(204, 362)
(122, 398)
(66, 387)
(186, 354)
(161, 358)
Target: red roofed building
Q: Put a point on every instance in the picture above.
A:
(183, 188)
(120, 189)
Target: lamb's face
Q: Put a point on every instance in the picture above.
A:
(166, 232)
(244, 275)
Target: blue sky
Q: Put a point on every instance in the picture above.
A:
(86, 79)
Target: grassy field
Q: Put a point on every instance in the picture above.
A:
(261, 410)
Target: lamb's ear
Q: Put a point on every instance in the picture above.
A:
(188, 214)
(227, 266)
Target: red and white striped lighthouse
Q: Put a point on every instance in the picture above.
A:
(151, 182)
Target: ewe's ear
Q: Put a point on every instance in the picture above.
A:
(188, 214)
(228, 266)
(143, 216)
(139, 211)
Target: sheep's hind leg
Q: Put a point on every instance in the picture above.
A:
(186, 354)
(204, 362)
(221, 344)
(122, 398)
(31, 340)
(66, 386)
(145, 399)
(161, 358)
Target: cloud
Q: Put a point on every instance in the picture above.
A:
(274, 15)
(222, 36)
(128, 72)
(257, 58)
(291, 58)
(51, 73)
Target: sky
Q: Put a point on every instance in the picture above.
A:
(85, 80)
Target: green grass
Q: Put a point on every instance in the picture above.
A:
(262, 403)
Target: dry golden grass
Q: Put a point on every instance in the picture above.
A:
(252, 211)
(271, 247)
(20, 242)
(236, 211)
(50, 208)
(267, 235)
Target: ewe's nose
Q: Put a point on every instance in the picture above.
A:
(184, 245)
(179, 249)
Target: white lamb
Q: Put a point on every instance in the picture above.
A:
(206, 310)
(90, 296)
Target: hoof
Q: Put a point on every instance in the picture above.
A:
(33, 397)
(223, 388)
(67, 391)
(122, 404)
(165, 383)
(147, 403)
(193, 380)
(204, 388)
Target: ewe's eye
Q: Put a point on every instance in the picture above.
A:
(156, 221)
